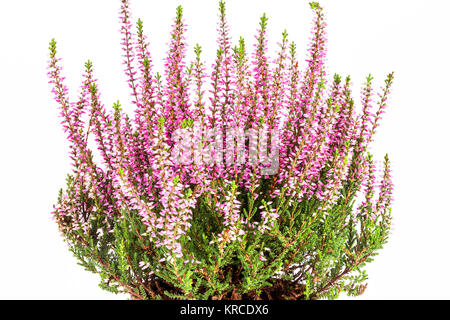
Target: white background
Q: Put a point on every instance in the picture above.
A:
(408, 37)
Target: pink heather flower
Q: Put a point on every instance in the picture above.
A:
(245, 145)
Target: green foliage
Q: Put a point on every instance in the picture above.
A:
(324, 253)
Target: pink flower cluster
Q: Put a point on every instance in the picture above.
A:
(321, 146)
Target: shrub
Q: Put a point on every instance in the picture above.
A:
(251, 182)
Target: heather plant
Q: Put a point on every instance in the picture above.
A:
(252, 180)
